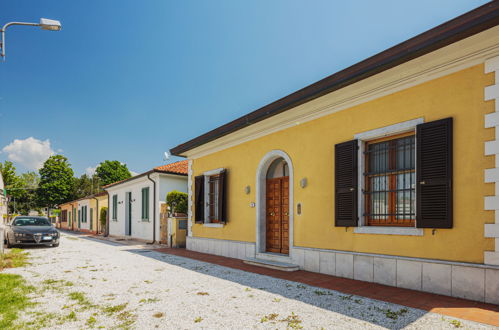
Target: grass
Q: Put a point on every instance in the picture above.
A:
(392, 314)
(81, 299)
(198, 319)
(91, 322)
(110, 310)
(270, 317)
(13, 299)
(148, 300)
(456, 324)
(13, 258)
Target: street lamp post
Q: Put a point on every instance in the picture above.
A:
(45, 24)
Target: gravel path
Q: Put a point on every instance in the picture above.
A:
(88, 283)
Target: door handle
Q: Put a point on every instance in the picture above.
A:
(285, 213)
(272, 214)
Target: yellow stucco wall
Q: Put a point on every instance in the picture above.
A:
(310, 147)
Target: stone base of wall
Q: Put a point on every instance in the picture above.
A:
(463, 280)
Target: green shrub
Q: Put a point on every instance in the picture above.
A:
(103, 216)
(177, 201)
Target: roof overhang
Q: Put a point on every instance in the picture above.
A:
(140, 176)
(459, 43)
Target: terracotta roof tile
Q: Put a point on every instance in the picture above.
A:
(173, 168)
(177, 167)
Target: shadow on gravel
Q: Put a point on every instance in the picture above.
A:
(103, 241)
(377, 312)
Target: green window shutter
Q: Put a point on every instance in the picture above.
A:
(145, 203)
(115, 206)
(142, 210)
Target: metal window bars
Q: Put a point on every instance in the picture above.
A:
(389, 192)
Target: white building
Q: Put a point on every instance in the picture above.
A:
(134, 204)
(3, 201)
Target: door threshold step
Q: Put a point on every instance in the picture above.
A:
(272, 264)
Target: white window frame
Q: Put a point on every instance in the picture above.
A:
(387, 131)
(207, 175)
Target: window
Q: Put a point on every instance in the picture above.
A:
(84, 214)
(115, 207)
(145, 203)
(210, 197)
(212, 202)
(407, 179)
(390, 181)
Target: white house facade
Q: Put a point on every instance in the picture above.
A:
(134, 204)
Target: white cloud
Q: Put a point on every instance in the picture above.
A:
(90, 170)
(30, 152)
(133, 173)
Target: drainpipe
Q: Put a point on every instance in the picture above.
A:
(97, 216)
(153, 210)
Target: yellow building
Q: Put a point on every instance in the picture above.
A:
(83, 214)
(67, 215)
(383, 172)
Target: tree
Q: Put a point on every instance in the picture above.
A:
(56, 181)
(25, 193)
(177, 201)
(85, 186)
(8, 170)
(111, 171)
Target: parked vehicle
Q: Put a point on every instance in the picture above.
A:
(31, 230)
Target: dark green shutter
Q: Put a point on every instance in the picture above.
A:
(145, 203)
(199, 199)
(434, 174)
(346, 184)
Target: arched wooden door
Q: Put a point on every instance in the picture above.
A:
(277, 215)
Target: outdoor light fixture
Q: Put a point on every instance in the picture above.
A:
(45, 24)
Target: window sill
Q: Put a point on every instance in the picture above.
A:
(145, 220)
(213, 225)
(403, 231)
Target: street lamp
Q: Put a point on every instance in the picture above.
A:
(45, 24)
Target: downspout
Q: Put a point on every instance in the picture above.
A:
(97, 216)
(153, 210)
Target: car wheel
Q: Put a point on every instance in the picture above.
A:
(8, 244)
(55, 245)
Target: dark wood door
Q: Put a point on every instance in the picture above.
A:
(277, 215)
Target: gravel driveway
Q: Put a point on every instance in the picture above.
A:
(89, 283)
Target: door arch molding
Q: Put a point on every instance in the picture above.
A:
(261, 178)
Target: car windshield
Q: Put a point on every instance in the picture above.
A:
(31, 222)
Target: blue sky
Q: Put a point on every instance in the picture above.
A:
(127, 80)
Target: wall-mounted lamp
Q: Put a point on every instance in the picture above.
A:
(298, 208)
(247, 190)
(303, 182)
